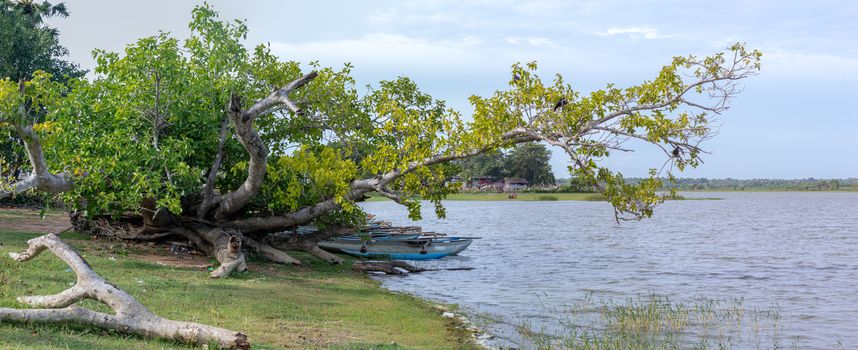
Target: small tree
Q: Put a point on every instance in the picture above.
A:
(28, 45)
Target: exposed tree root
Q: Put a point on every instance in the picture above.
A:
(130, 317)
(271, 253)
(224, 243)
(308, 242)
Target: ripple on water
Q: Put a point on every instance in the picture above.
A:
(793, 250)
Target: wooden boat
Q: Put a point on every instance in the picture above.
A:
(398, 248)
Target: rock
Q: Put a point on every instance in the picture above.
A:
(448, 314)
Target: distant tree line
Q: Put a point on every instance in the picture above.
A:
(808, 184)
(529, 161)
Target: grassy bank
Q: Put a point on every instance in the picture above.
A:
(526, 196)
(309, 307)
(492, 196)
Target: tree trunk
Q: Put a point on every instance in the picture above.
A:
(130, 317)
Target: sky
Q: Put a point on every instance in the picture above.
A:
(796, 119)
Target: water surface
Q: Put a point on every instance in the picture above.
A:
(791, 250)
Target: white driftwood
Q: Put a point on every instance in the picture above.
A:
(130, 317)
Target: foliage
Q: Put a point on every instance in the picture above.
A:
(148, 126)
(28, 44)
(531, 162)
(491, 163)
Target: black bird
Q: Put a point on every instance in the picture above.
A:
(560, 104)
(515, 77)
(677, 152)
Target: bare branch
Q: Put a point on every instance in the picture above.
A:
(278, 98)
(130, 317)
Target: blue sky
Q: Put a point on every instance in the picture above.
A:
(796, 119)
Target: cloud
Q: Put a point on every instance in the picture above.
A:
(390, 52)
(635, 33)
(533, 41)
(792, 65)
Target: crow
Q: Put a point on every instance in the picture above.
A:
(562, 102)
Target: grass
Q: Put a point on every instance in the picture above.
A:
(653, 322)
(492, 196)
(316, 306)
(525, 196)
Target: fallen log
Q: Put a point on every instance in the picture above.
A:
(397, 267)
(130, 317)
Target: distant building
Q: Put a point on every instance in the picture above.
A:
(479, 182)
(514, 184)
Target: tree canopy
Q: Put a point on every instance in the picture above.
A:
(28, 44)
(529, 161)
(207, 132)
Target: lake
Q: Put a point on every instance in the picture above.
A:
(794, 251)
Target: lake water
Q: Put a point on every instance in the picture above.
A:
(795, 251)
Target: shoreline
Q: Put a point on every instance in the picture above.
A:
(315, 305)
(594, 197)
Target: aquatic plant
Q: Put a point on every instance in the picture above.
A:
(652, 322)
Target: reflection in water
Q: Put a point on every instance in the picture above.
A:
(793, 250)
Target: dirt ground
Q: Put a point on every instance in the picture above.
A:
(168, 253)
(28, 220)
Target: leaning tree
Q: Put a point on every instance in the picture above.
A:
(229, 147)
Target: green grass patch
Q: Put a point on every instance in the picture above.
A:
(548, 198)
(316, 306)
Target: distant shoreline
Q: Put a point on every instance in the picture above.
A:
(594, 197)
(527, 197)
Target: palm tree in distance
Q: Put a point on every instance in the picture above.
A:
(38, 12)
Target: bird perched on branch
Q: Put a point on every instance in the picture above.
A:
(677, 152)
(562, 102)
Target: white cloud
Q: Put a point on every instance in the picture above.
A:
(635, 33)
(391, 52)
(533, 41)
(815, 65)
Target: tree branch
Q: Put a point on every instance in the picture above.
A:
(130, 317)
(208, 191)
(41, 179)
(235, 201)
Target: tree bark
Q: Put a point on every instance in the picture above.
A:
(130, 317)
(41, 179)
(308, 242)
(233, 202)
